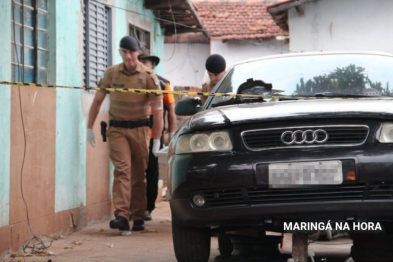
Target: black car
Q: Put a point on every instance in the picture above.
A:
(281, 140)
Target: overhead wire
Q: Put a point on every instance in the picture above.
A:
(186, 26)
(174, 25)
(153, 17)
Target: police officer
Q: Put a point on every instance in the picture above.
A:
(215, 66)
(152, 171)
(129, 132)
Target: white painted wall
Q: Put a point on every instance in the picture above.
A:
(235, 51)
(184, 64)
(337, 25)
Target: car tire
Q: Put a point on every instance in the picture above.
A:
(225, 245)
(191, 244)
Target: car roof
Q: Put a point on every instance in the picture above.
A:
(287, 55)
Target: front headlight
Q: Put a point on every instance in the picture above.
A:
(386, 135)
(204, 142)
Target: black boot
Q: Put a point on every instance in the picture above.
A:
(120, 223)
(139, 225)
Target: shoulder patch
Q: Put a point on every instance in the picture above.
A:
(155, 80)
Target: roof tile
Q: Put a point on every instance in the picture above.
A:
(238, 20)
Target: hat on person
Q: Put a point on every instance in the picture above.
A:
(215, 64)
(129, 43)
(145, 54)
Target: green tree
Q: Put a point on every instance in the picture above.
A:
(351, 79)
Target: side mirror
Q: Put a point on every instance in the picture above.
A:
(188, 107)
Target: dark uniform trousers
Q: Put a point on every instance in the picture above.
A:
(152, 175)
(129, 150)
(152, 171)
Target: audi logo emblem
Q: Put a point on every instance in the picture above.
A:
(309, 136)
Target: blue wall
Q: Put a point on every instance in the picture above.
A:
(5, 113)
(70, 189)
(158, 37)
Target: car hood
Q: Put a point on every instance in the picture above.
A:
(291, 110)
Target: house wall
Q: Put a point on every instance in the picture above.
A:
(70, 122)
(185, 63)
(48, 173)
(342, 25)
(235, 51)
(145, 22)
(5, 117)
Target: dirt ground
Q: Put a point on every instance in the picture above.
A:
(100, 243)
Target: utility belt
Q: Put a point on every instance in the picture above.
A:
(129, 124)
(123, 124)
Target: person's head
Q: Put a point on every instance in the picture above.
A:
(150, 61)
(129, 51)
(215, 66)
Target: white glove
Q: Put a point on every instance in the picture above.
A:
(156, 146)
(170, 135)
(91, 138)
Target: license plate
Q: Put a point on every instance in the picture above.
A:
(300, 174)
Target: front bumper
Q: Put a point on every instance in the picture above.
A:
(369, 197)
(275, 215)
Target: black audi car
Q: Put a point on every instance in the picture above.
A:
(289, 138)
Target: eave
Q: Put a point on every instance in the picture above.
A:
(176, 16)
(279, 11)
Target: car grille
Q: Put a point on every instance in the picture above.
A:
(227, 197)
(268, 196)
(381, 191)
(261, 195)
(337, 135)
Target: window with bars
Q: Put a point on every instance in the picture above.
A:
(97, 41)
(30, 47)
(141, 35)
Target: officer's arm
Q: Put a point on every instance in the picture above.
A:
(156, 105)
(171, 118)
(204, 98)
(95, 108)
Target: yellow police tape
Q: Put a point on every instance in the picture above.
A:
(192, 93)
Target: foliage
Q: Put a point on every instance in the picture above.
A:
(349, 80)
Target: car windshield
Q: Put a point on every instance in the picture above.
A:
(333, 75)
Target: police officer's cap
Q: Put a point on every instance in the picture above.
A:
(145, 54)
(129, 43)
(215, 64)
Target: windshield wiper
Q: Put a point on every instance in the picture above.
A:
(333, 95)
(238, 100)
